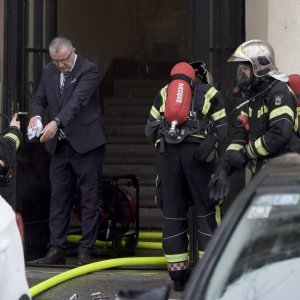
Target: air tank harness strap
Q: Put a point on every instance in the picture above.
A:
(186, 78)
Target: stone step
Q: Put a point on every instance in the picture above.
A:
(136, 91)
(118, 104)
(148, 203)
(121, 120)
(159, 83)
(133, 154)
(146, 180)
(147, 196)
(108, 101)
(146, 175)
(135, 88)
(127, 139)
(144, 149)
(150, 218)
(128, 151)
(132, 158)
(130, 154)
(126, 129)
(127, 111)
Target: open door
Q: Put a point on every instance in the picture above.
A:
(29, 27)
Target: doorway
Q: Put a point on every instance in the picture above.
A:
(135, 43)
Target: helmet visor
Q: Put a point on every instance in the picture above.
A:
(244, 72)
(244, 75)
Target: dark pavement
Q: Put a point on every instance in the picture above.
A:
(108, 281)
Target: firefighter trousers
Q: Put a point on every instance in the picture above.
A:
(181, 182)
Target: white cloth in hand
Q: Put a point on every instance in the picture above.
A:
(39, 128)
(35, 131)
(31, 133)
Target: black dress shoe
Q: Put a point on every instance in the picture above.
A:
(84, 256)
(55, 256)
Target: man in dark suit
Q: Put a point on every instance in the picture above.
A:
(75, 138)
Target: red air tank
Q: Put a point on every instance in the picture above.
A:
(179, 94)
(294, 83)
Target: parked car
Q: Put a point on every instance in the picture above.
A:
(255, 253)
(13, 282)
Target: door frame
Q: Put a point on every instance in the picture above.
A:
(17, 17)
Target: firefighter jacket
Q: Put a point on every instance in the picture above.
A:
(272, 124)
(9, 143)
(207, 116)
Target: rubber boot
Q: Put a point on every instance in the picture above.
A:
(179, 278)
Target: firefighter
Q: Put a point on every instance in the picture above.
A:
(268, 123)
(185, 159)
(9, 143)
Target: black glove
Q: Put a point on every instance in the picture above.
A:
(237, 159)
(219, 185)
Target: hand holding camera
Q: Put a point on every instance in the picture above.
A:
(14, 122)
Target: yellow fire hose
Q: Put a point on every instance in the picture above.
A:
(74, 239)
(109, 263)
(144, 235)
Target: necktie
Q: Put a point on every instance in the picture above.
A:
(61, 134)
(63, 83)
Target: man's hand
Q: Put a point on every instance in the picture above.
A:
(49, 132)
(219, 185)
(33, 122)
(14, 121)
(35, 127)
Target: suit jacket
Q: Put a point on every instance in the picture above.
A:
(77, 108)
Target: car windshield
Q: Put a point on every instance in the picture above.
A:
(262, 258)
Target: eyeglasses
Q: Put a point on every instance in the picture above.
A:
(63, 61)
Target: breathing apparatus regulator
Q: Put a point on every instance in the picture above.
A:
(294, 84)
(242, 120)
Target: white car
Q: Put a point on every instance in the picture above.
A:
(255, 253)
(13, 283)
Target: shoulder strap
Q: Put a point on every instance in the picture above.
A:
(183, 77)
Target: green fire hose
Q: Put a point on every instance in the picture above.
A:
(101, 265)
(96, 266)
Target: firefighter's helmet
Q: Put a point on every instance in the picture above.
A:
(261, 55)
(200, 68)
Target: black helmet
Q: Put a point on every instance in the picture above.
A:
(199, 67)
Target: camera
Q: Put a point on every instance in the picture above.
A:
(5, 175)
